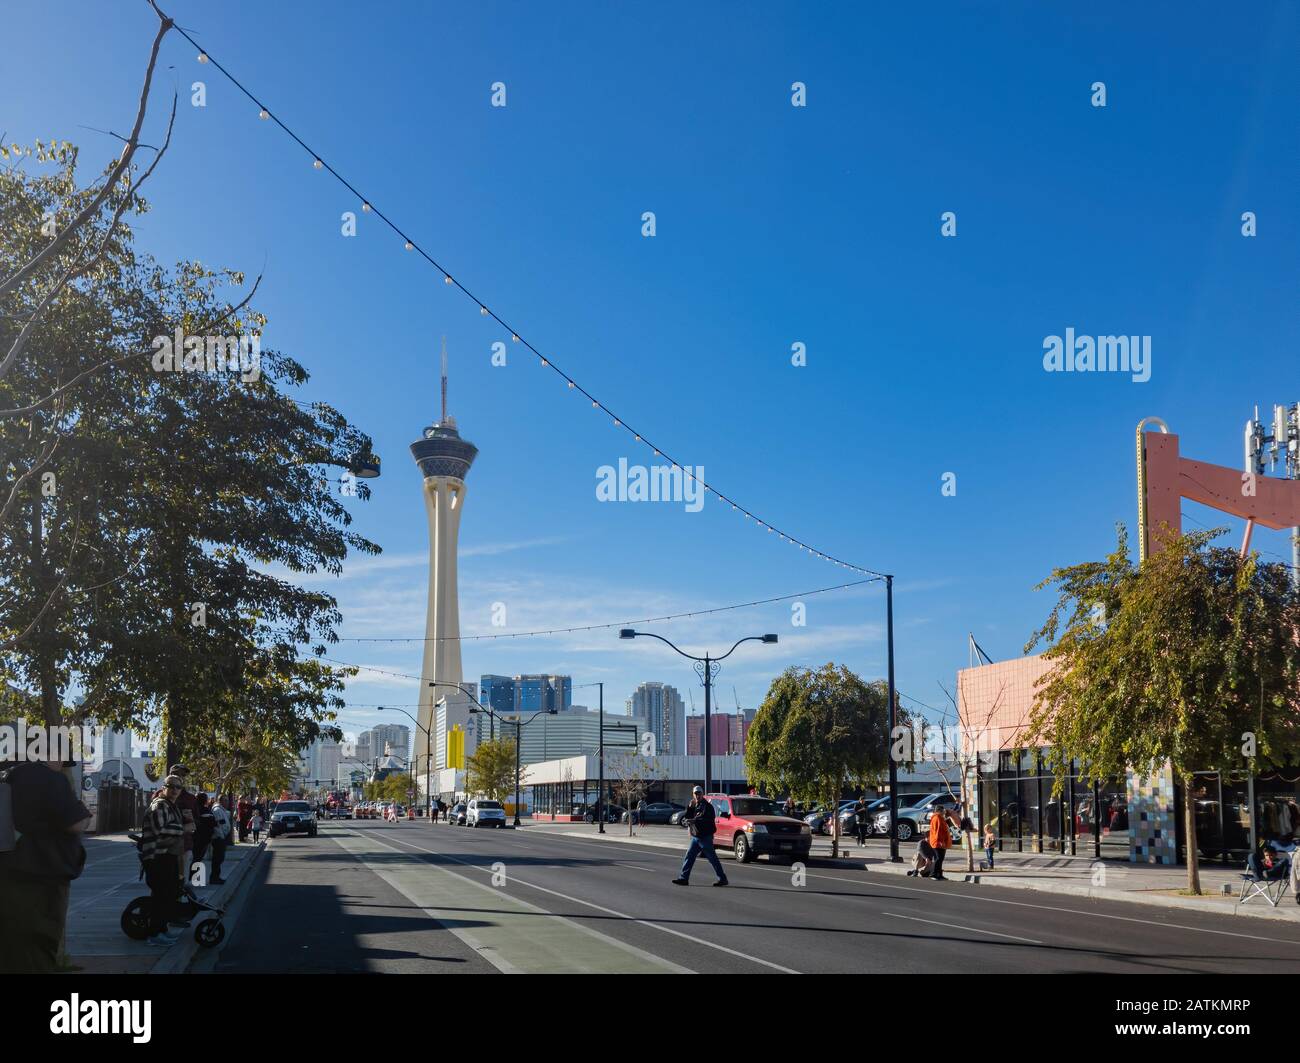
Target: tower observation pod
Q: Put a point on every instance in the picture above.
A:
(444, 459)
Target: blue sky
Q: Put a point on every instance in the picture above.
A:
(775, 225)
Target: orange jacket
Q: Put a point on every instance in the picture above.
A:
(940, 838)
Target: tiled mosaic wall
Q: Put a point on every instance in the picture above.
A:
(1151, 822)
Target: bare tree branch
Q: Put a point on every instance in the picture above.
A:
(123, 162)
(75, 271)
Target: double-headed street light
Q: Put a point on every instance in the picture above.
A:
(705, 666)
(519, 725)
(428, 752)
(480, 707)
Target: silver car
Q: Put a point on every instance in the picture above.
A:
(482, 812)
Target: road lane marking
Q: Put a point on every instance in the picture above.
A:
(958, 926)
(532, 943)
(620, 915)
(877, 881)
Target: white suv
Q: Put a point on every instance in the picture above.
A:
(484, 813)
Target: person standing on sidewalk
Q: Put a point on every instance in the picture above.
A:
(700, 817)
(860, 819)
(940, 840)
(162, 850)
(221, 831)
(36, 873)
(990, 841)
(255, 825)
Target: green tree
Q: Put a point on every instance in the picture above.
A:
(816, 732)
(152, 521)
(490, 770)
(1190, 658)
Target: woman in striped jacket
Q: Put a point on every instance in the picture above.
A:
(161, 849)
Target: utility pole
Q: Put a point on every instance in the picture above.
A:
(893, 724)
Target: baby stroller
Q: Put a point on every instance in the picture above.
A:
(207, 932)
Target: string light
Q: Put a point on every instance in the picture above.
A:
(263, 114)
(365, 208)
(447, 278)
(604, 627)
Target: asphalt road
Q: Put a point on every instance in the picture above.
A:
(415, 897)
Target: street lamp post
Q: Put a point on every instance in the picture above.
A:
(492, 716)
(705, 666)
(519, 726)
(428, 752)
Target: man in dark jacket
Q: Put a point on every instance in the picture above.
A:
(700, 816)
(36, 875)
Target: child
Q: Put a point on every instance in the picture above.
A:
(990, 840)
(257, 827)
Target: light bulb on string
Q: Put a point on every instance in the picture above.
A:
(409, 246)
(514, 338)
(447, 279)
(545, 363)
(570, 383)
(263, 114)
(483, 310)
(365, 208)
(202, 57)
(318, 164)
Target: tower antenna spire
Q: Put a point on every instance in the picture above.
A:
(444, 380)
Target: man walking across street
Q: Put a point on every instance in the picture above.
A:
(700, 816)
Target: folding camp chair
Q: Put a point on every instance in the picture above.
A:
(1271, 883)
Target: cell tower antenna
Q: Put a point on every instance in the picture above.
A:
(444, 380)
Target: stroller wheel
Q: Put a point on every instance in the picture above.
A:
(135, 918)
(210, 933)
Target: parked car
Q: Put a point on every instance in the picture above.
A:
(915, 817)
(456, 814)
(849, 817)
(293, 817)
(756, 826)
(482, 812)
(819, 819)
(587, 812)
(660, 812)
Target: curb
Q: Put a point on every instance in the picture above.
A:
(178, 958)
(1260, 911)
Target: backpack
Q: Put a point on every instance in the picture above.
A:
(9, 833)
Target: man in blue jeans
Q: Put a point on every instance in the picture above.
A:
(699, 816)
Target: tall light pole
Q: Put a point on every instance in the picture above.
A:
(519, 740)
(705, 667)
(428, 753)
(600, 792)
(893, 723)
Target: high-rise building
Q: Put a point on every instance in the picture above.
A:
(728, 732)
(526, 693)
(665, 714)
(444, 459)
(572, 733)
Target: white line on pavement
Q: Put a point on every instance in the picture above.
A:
(876, 882)
(623, 946)
(958, 926)
(611, 911)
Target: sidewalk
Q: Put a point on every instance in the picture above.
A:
(1079, 876)
(95, 941)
